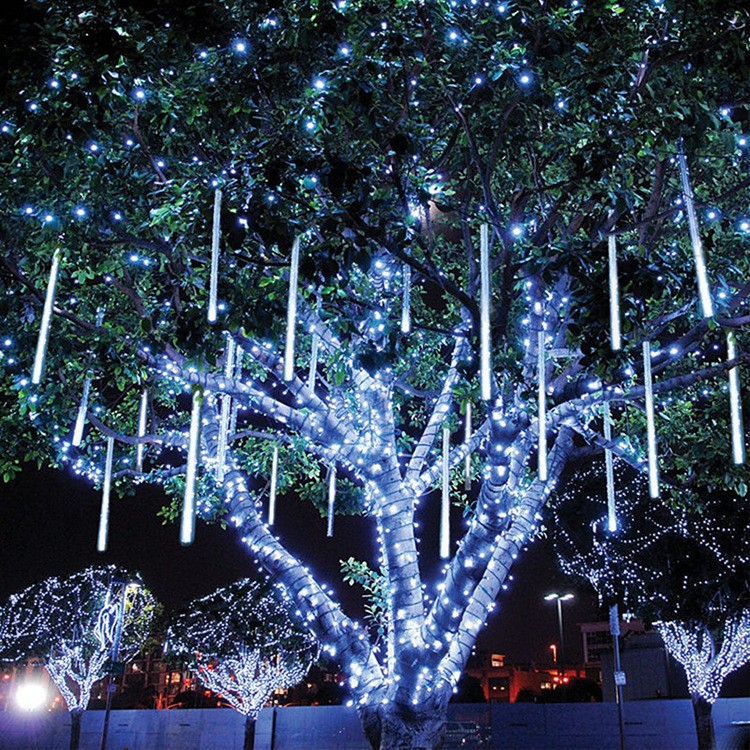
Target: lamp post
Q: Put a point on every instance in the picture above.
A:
(560, 598)
(114, 654)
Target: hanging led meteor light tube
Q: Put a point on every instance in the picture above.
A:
(291, 312)
(467, 437)
(610, 470)
(542, 401)
(695, 238)
(614, 296)
(445, 531)
(331, 499)
(187, 522)
(406, 298)
(274, 483)
(214, 278)
(653, 460)
(226, 413)
(485, 381)
(83, 408)
(313, 373)
(735, 404)
(101, 540)
(142, 416)
(237, 374)
(49, 304)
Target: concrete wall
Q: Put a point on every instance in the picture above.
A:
(649, 725)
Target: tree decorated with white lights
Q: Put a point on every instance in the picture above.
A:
(683, 569)
(353, 252)
(244, 645)
(72, 624)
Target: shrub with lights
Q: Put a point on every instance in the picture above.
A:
(72, 624)
(682, 568)
(381, 257)
(244, 646)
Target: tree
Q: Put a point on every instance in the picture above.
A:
(684, 569)
(72, 624)
(244, 645)
(449, 176)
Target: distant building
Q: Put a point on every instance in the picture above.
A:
(650, 672)
(501, 682)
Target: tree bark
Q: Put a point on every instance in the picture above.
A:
(395, 727)
(704, 723)
(75, 729)
(249, 743)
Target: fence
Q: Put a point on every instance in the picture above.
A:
(649, 725)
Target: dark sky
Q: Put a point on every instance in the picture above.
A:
(48, 526)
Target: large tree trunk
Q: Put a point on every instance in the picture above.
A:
(394, 727)
(704, 723)
(75, 729)
(249, 743)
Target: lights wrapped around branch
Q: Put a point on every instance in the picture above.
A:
(445, 519)
(735, 404)
(614, 296)
(187, 521)
(101, 540)
(291, 311)
(485, 353)
(406, 298)
(274, 484)
(610, 470)
(49, 304)
(213, 286)
(653, 460)
(704, 290)
(542, 406)
(331, 499)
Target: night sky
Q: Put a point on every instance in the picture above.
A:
(49, 520)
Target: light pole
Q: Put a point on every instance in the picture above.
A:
(560, 598)
(114, 654)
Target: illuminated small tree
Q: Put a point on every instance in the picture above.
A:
(683, 569)
(71, 624)
(244, 645)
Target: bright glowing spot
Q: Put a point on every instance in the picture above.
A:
(524, 79)
(31, 696)
(240, 46)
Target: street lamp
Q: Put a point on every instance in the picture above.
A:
(111, 687)
(560, 598)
